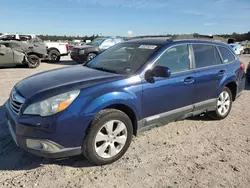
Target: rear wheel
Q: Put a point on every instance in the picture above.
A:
(54, 56)
(108, 138)
(223, 105)
(33, 61)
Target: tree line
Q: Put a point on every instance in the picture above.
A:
(237, 36)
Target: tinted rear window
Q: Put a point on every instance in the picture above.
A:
(205, 55)
(226, 54)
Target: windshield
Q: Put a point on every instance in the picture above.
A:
(96, 42)
(123, 58)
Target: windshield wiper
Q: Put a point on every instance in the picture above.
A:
(104, 69)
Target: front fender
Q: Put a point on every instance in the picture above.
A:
(112, 98)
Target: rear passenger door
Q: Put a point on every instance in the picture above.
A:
(209, 71)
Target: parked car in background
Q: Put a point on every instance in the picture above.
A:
(131, 87)
(83, 54)
(248, 73)
(13, 52)
(54, 49)
(238, 49)
(247, 48)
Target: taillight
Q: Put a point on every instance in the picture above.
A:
(67, 47)
(242, 66)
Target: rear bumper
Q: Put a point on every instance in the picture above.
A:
(40, 146)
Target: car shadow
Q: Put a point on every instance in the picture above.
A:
(14, 66)
(200, 118)
(14, 158)
(63, 62)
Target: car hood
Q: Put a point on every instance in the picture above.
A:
(61, 80)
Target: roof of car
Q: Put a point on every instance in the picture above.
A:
(161, 41)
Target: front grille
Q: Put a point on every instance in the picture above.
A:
(75, 51)
(16, 102)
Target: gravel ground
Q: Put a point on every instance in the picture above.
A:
(196, 152)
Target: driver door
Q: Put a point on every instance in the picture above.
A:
(6, 55)
(166, 99)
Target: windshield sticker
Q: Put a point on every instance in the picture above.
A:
(150, 47)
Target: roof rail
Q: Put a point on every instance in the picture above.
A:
(149, 37)
(197, 36)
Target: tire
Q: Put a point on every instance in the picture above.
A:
(54, 56)
(105, 150)
(33, 61)
(91, 56)
(227, 100)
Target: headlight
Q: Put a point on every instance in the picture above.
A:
(81, 51)
(52, 105)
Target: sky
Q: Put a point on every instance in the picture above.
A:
(117, 17)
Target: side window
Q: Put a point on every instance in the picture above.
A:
(227, 56)
(14, 45)
(205, 55)
(24, 37)
(175, 58)
(108, 42)
(6, 45)
(117, 40)
(217, 56)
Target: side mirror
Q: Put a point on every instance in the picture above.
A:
(2, 50)
(158, 71)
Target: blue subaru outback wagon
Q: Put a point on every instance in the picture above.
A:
(132, 87)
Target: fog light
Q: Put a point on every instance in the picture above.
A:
(43, 145)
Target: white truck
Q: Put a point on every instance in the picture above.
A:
(55, 49)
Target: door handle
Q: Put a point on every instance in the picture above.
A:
(221, 72)
(189, 80)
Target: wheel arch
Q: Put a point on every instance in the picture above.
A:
(128, 111)
(233, 88)
(53, 48)
(34, 53)
(93, 52)
(122, 101)
(229, 82)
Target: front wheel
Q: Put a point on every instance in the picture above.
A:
(33, 61)
(223, 105)
(91, 56)
(108, 138)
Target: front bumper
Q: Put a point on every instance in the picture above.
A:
(41, 146)
(78, 58)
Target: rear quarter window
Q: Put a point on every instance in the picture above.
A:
(15, 45)
(205, 55)
(227, 55)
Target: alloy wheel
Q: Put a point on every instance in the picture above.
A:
(223, 103)
(110, 139)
